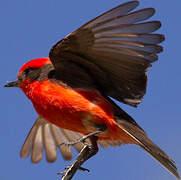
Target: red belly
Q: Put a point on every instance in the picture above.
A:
(77, 110)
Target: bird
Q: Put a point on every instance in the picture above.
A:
(73, 90)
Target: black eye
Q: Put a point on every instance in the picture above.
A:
(51, 74)
(27, 70)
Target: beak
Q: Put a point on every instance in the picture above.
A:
(13, 84)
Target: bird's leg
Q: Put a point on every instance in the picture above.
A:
(87, 152)
(82, 139)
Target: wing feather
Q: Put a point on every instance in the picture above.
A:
(115, 50)
(141, 28)
(127, 19)
(114, 13)
(46, 136)
(28, 144)
(60, 137)
(37, 149)
(150, 48)
(49, 143)
(133, 37)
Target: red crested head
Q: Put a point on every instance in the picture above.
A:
(35, 63)
(36, 69)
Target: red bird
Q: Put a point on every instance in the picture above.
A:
(71, 90)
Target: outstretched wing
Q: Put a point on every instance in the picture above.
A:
(44, 135)
(47, 136)
(112, 53)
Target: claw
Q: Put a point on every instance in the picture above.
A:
(87, 152)
(68, 167)
(84, 169)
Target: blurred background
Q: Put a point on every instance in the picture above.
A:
(28, 30)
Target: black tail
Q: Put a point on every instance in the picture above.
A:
(129, 125)
(142, 140)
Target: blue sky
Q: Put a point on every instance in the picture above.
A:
(28, 30)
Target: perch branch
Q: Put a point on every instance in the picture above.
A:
(87, 152)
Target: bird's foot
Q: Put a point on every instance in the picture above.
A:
(83, 139)
(87, 152)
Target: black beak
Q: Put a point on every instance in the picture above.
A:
(13, 84)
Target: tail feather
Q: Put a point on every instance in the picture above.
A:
(143, 141)
(128, 124)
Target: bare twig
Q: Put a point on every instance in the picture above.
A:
(87, 152)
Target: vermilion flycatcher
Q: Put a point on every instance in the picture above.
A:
(71, 90)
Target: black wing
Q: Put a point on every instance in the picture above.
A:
(112, 53)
